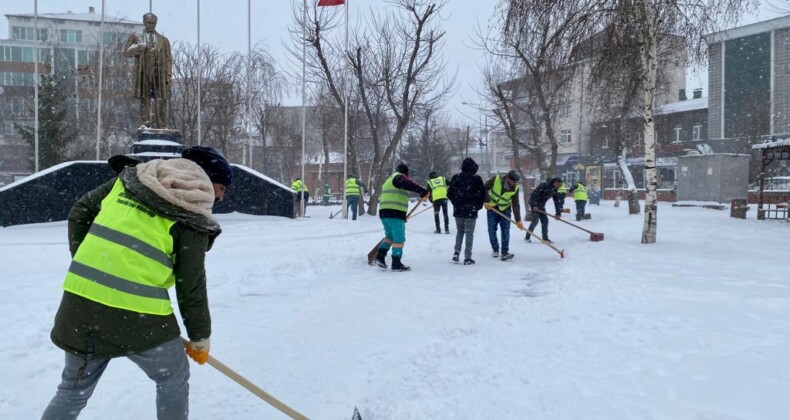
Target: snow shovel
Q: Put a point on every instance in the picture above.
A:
(594, 236)
(375, 250)
(559, 251)
(230, 373)
(332, 216)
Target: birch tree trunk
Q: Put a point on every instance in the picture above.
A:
(648, 55)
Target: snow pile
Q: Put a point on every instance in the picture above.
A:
(694, 327)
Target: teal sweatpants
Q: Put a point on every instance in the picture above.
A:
(395, 233)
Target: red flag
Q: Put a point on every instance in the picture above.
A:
(331, 2)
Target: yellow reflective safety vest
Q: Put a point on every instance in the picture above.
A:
(393, 198)
(563, 189)
(298, 185)
(352, 188)
(501, 200)
(126, 259)
(580, 193)
(438, 188)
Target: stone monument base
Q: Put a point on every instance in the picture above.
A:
(158, 141)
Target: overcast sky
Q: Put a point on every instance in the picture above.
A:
(224, 24)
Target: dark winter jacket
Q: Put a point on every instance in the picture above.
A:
(83, 326)
(515, 204)
(405, 183)
(541, 195)
(466, 191)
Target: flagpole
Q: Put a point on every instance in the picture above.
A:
(101, 78)
(199, 77)
(249, 79)
(345, 126)
(35, 87)
(304, 99)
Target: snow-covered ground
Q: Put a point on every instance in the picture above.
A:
(694, 327)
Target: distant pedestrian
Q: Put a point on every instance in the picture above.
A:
(437, 185)
(467, 193)
(537, 202)
(579, 192)
(302, 193)
(502, 194)
(392, 211)
(352, 189)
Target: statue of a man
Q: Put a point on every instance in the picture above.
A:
(153, 67)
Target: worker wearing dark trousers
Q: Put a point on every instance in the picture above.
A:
(537, 202)
(579, 192)
(437, 185)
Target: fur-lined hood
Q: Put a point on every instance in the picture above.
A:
(176, 188)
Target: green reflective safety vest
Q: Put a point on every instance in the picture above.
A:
(126, 259)
(298, 185)
(580, 193)
(438, 188)
(393, 198)
(563, 189)
(501, 200)
(352, 188)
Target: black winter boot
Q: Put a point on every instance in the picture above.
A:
(380, 258)
(398, 266)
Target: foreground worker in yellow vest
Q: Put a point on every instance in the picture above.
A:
(393, 206)
(580, 197)
(502, 194)
(438, 188)
(302, 194)
(132, 239)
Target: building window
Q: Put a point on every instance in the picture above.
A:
(676, 135)
(70, 36)
(9, 128)
(27, 54)
(605, 143)
(43, 34)
(697, 132)
(565, 109)
(22, 32)
(638, 137)
(565, 137)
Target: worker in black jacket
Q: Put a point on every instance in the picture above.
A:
(537, 202)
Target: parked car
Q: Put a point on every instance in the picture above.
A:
(777, 183)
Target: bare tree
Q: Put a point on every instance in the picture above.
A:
(614, 86)
(537, 37)
(649, 19)
(396, 66)
(512, 109)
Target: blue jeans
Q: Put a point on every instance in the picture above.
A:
(503, 223)
(353, 202)
(580, 204)
(395, 233)
(166, 365)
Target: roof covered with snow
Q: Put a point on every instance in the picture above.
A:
(159, 143)
(48, 171)
(771, 144)
(746, 30)
(683, 106)
(334, 157)
(258, 174)
(81, 17)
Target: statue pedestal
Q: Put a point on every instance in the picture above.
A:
(158, 142)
